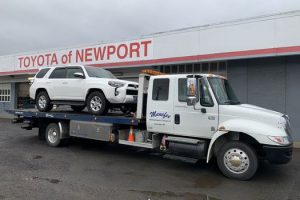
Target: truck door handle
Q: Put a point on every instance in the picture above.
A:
(203, 110)
(177, 119)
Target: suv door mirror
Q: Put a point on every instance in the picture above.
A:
(78, 75)
(191, 91)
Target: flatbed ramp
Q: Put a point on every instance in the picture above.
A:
(113, 118)
(113, 127)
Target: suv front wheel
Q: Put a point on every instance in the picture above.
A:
(97, 103)
(43, 102)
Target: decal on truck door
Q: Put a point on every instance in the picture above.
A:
(160, 116)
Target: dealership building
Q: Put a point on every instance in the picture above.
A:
(260, 56)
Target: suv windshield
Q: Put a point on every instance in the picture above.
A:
(99, 73)
(223, 91)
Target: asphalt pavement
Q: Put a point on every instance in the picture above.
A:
(86, 169)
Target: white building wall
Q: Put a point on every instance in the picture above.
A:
(256, 37)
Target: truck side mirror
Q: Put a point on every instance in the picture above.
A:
(191, 92)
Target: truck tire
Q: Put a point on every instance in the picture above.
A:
(77, 108)
(52, 135)
(237, 160)
(97, 103)
(43, 102)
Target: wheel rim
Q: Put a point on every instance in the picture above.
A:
(42, 101)
(236, 161)
(96, 103)
(52, 135)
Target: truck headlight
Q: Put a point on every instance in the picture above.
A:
(116, 84)
(282, 140)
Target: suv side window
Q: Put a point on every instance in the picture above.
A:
(160, 90)
(58, 73)
(72, 70)
(42, 73)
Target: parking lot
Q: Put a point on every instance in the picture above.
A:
(93, 170)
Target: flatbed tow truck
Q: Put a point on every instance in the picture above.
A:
(186, 117)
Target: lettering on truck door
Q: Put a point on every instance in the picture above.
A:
(160, 106)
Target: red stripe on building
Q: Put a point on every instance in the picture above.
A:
(231, 55)
(29, 71)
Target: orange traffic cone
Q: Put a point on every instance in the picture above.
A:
(131, 135)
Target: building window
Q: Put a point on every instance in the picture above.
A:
(197, 67)
(213, 68)
(160, 90)
(174, 69)
(205, 67)
(167, 69)
(5, 93)
(219, 68)
(189, 68)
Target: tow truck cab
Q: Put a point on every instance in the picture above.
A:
(199, 116)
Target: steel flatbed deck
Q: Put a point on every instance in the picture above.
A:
(113, 118)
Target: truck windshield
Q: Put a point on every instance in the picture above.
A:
(99, 73)
(223, 91)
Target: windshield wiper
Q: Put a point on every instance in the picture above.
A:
(232, 102)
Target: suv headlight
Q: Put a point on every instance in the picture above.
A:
(116, 84)
(282, 140)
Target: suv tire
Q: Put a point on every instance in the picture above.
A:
(43, 102)
(97, 103)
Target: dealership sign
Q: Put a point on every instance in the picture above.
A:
(97, 54)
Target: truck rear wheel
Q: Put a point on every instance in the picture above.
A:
(52, 135)
(237, 160)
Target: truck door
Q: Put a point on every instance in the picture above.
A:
(200, 120)
(160, 105)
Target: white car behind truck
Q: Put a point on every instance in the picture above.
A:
(82, 86)
(187, 117)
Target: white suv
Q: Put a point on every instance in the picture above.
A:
(81, 86)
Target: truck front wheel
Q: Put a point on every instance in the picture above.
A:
(237, 160)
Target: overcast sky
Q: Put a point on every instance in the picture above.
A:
(28, 25)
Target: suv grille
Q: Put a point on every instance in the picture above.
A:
(131, 92)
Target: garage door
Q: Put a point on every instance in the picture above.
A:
(270, 83)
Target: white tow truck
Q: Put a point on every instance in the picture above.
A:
(186, 117)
